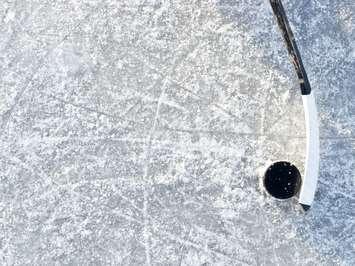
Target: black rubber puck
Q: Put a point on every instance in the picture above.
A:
(282, 180)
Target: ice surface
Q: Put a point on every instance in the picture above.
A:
(133, 132)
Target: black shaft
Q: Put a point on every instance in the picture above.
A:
(290, 41)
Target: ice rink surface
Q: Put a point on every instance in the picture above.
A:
(134, 132)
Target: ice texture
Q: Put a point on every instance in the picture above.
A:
(135, 132)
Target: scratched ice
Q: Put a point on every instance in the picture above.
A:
(133, 132)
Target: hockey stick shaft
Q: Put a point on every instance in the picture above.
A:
(291, 45)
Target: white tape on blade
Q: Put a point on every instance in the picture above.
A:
(310, 178)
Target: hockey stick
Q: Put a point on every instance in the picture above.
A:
(309, 183)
